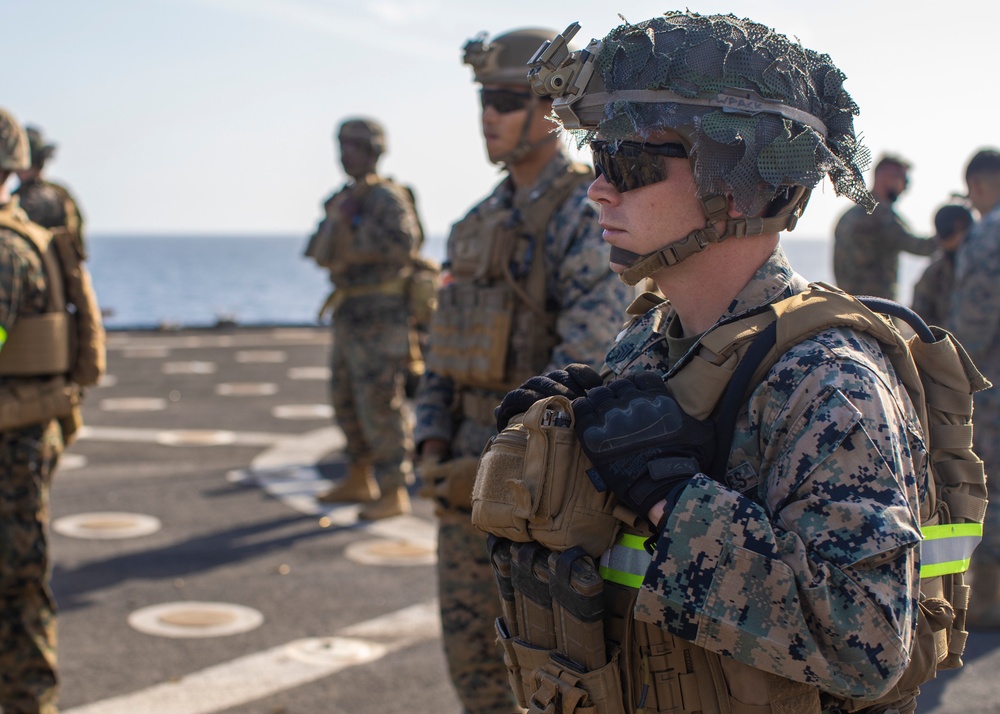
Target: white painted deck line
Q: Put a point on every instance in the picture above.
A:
(155, 436)
(263, 674)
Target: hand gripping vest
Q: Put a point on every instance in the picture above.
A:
(492, 329)
(67, 348)
(552, 657)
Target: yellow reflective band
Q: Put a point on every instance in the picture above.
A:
(626, 561)
(3, 336)
(947, 549)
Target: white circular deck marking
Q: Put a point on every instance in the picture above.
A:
(309, 373)
(302, 411)
(196, 437)
(133, 404)
(69, 462)
(335, 650)
(194, 367)
(145, 352)
(390, 552)
(195, 619)
(261, 356)
(110, 525)
(246, 389)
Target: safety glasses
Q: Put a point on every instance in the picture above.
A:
(504, 101)
(628, 165)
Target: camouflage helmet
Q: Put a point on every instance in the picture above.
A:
(762, 118)
(14, 150)
(504, 59)
(40, 150)
(364, 130)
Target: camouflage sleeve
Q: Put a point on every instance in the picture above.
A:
(433, 409)
(975, 303)
(818, 582)
(898, 233)
(388, 225)
(591, 299)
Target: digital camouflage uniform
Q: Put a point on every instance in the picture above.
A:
(932, 292)
(816, 525)
(974, 319)
(371, 331)
(589, 301)
(28, 458)
(866, 250)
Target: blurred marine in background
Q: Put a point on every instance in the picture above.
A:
(526, 287)
(369, 240)
(51, 345)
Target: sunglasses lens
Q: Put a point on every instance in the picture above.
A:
(504, 101)
(628, 166)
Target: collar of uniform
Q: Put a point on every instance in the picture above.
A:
(772, 281)
(522, 196)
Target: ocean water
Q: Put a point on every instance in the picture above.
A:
(192, 281)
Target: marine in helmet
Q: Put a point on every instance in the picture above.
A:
(48, 204)
(790, 581)
(369, 239)
(31, 441)
(527, 288)
(866, 246)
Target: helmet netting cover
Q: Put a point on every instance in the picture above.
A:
(748, 156)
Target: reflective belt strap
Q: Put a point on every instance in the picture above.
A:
(947, 549)
(626, 561)
(3, 336)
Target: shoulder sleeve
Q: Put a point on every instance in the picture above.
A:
(17, 270)
(816, 576)
(975, 304)
(389, 224)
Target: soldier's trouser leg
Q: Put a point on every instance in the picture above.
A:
(469, 605)
(27, 610)
(376, 356)
(345, 411)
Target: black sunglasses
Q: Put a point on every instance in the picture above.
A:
(629, 165)
(504, 101)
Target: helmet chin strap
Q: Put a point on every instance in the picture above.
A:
(525, 147)
(716, 209)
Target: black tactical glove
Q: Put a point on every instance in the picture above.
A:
(572, 382)
(642, 445)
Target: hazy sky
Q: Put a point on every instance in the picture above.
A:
(216, 116)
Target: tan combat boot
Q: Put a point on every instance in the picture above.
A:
(984, 603)
(394, 502)
(358, 487)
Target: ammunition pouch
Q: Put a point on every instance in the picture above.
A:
(27, 402)
(449, 483)
(422, 292)
(532, 485)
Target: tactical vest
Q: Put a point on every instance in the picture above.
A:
(492, 328)
(562, 602)
(67, 348)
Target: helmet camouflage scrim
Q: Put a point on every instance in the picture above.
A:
(762, 117)
(367, 131)
(14, 149)
(504, 61)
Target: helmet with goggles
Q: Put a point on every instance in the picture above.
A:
(14, 149)
(501, 66)
(761, 119)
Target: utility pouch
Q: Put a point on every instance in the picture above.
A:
(23, 404)
(577, 590)
(500, 559)
(558, 687)
(532, 599)
(532, 485)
